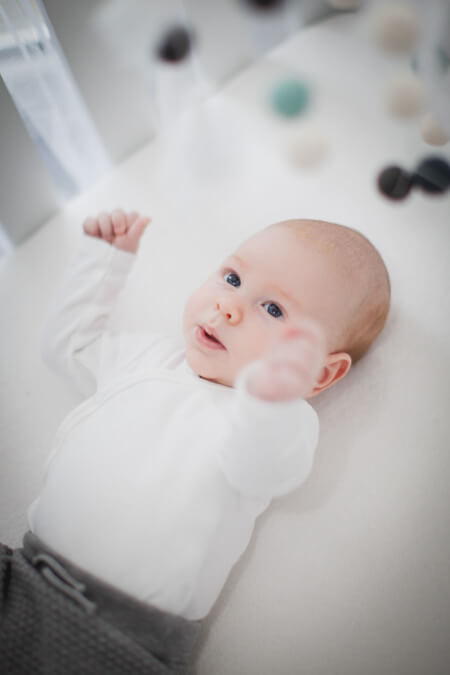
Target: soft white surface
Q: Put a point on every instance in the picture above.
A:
(349, 575)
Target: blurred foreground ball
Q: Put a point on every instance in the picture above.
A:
(397, 27)
(432, 175)
(405, 95)
(431, 130)
(175, 45)
(290, 97)
(307, 147)
(394, 182)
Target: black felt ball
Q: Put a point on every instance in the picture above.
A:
(394, 182)
(432, 175)
(175, 44)
(265, 4)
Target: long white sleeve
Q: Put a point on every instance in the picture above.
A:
(269, 448)
(79, 316)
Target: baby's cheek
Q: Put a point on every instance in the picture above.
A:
(190, 309)
(253, 347)
(200, 301)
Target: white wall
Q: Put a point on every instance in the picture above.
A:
(116, 96)
(27, 194)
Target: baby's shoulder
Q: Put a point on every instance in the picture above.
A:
(127, 353)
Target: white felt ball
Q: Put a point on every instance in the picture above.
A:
(397, 27)
(431, 130)
(405, 95)
(344, 4)
(307, 147)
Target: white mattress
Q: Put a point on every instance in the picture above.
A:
(350, 574)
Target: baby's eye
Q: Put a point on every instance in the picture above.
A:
(232, 278)
(273, 309)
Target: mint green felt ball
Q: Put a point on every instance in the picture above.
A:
(290, 98)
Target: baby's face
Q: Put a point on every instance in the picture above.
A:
(271, 281)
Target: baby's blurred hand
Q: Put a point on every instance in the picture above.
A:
(290, 367)
(122, 230)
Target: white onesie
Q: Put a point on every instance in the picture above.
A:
(156, 480)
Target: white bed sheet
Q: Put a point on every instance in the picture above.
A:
(350, 574)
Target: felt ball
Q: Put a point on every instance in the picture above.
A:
(175, 45)
(344, 4)
(431, 130)
(265, 4)
(405, 95)
(397, 27)
(290, 97)
(394, 182)
(432, 175)
(307, 147)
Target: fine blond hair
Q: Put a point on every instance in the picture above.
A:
(359, 258)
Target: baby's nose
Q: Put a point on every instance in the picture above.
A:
(230, 310)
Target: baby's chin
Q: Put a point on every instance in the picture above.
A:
(206, 372)
(215, 380)
(213, 377)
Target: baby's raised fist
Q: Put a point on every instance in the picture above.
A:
(291, 366)
(122, 230)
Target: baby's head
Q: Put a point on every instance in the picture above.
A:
(288, 271)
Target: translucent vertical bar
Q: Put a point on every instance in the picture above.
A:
(174, 88)
(434, 58)
(270, 26)
(40, 83)
(135, 29)
(5, 243)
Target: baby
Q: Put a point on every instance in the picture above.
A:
(156, 480)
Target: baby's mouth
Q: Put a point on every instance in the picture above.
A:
(206, 337)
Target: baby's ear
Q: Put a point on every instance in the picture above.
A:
(335, 368)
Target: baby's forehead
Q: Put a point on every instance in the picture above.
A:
(307, 237)
(292, 263)
(283, 243)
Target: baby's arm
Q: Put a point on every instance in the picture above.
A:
(273, 431)
(81, 310)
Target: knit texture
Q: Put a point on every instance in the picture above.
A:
(45, 631)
